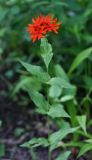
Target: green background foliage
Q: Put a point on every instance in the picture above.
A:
(73, 37)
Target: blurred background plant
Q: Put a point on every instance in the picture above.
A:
(74, 36)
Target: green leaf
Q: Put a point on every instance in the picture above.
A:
(59, 72)
(88, 81)
(55, 91)
(46, 51)
(61, 4)
(32, 82)
(2, 32)
(57, 110)
(70, 91)
(72, 110)
(3, 13)
(56, 137)
(19, 131)
(20, 84)
(39, 101)
(36, 142)
(2, 150)
(64, 156)
(59, 82)
(85, 148)
(15, 10)
(88, 140)
(36, 71)
(80, 58)
(82, 122)
(68, 94)
(38, 4)
(66, 98)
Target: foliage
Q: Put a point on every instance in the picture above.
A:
(61, 85)
(53, 105)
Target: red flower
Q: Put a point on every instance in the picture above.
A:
(41, 26)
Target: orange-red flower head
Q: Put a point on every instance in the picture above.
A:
(41, 25)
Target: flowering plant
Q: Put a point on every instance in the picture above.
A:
(58, 91)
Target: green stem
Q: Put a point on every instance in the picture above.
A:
(73, 145)
(49, 154)
(33, 154)
(48, 120)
